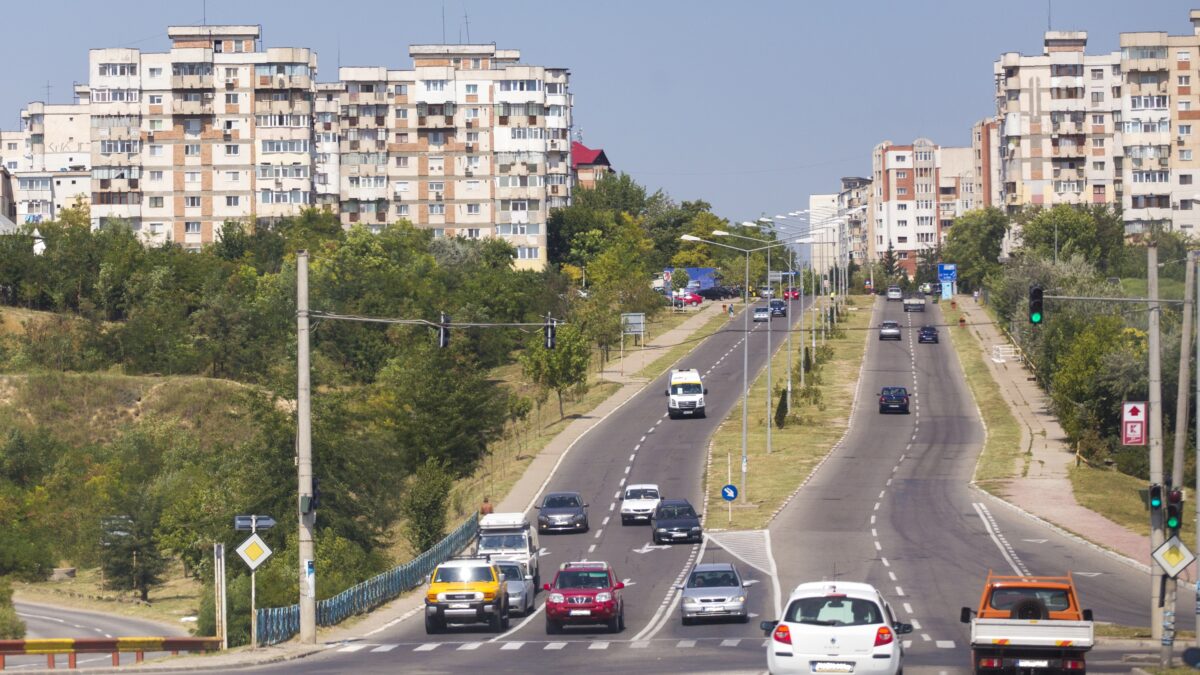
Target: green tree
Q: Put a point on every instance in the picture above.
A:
(561, 368)
(11, 626)
(424, 505)
(619, 193)
(679, 279)
(974, 244)
(889, 262)
(1095, 233)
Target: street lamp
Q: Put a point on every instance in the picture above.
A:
(745, 338)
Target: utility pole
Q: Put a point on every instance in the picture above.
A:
(770, 318)
(308, 595)
(1181, 420)
(1196, 497)
(1157, 614)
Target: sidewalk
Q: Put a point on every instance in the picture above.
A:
(1045, 490)
(520, 498)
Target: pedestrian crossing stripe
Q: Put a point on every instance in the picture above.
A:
(725, 643)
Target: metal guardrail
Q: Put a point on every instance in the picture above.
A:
(277, 624)
(51, 647)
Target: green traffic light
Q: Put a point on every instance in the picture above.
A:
(1155, 503)
(1036, 317)
(1173, 522)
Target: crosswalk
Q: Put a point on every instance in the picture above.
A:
(561, 645)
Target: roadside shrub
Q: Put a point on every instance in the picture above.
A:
(424, 505)
(11, 626)
(781, 410)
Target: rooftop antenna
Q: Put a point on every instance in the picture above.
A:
(204, 13)
(443, 22)
(48, 91)
(1049, 10)
(467, 23)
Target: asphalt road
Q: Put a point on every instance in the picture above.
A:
(52, 621)
(891, 506)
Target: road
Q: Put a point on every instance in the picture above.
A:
(891, 506)
(53, 621)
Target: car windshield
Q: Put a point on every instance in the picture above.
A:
(591, 579)
(687, 388)
(778, 303)
(641, 493)
(890, 324)
(713, 579)
(1055, 599)
(511, 572)
(676, 512)
(501, 542)
(463, 574)
(834, 611)
(561, 502)
(894, 391)
(760, 310)
(929, 329)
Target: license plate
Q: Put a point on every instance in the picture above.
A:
(1033, 663)
(833, 667)
(711, 609)
(460, 605)
(581, 612)
(688, 412)
(678, 535)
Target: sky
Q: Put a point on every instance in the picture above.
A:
(751, 106)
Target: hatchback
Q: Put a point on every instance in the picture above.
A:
(778, 308)
(928, 334)
(762, 314)
(562, 511)
(893, 399)
(889, 330)
(836, 627)
(894, 293)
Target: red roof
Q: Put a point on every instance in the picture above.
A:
(583, 155)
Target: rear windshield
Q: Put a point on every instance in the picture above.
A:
(1055, 599)
(463, 574)
(676, 512)
(561, 501)
(834, 611)
(713, 579)
(894, 391)
(593, 579)
(890, 324)
(641, 493)
(501, 542)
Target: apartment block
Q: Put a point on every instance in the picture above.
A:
(49, 159)
(853, 205)
(985, 147)
(8, 206)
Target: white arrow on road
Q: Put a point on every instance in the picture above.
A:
(1036, 541)
(1087, 574)
(543, 552)
(648, 547)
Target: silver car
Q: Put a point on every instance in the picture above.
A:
(762, 314)
(713, 590)
(520, 587)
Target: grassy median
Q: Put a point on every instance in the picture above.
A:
(813, 427)
(672, 354)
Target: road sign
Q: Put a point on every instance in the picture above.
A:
(729, 493)
(1173, 556)
(947, 272)
(667, 276)
(1133, 423)
(252, 523)
(254, 551)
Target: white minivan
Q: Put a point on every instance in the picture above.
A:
(685, 394)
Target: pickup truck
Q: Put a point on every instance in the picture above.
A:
(914, 304)
(1027, 624)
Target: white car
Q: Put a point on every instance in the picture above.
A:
(894, 293)
(639, 502)
(836, 627)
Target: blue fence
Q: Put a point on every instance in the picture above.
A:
(278, 624)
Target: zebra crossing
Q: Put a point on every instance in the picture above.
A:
(561, 645)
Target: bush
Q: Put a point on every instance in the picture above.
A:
(424, 505)
(781, 410)
(11, 626)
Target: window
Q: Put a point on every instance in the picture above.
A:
(231, 72)
(472, 89)
(402, 89)
(156, 125)
(119, 147)
(402, 209)
(437, 163)
(292, 145)
(472, 136)
(472, 233)
(155, 99)
(1185, 129)
(1097, 119)
(901, 191)
(1185, 155)
(191, 227)
(401, 186)
(1097, 142)
(1185, 80)
(1097, 97)
(401, 113)
(437, 209)
(473, 209)
(901, 240)
(191, 150)
(437, 137)
(191, 202)
(472, 113)
(902, 223)
(116, 69)
(527, 252)
(1098, 166)
(1185, 205)
(901, 175)
(191, 177)
(231, 150)
(402, 162)
(1185, 179)
(233, 176)
(1097, 73)
(156, 202)
(231, 99)
(231, 200)
(156, 72)
(156, 176)
(1184, 105)
(520, 85)
(191, 126)
(434, 85)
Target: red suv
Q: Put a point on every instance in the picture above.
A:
(585, 592)
(792, 293)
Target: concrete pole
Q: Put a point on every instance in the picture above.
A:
(1196, 496)
(792, 284)
(770, 392)
(1156, 446)
(308, 599)
(745, 376)
(801, 331)
(1181, 416)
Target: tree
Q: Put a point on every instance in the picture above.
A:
(424, 505)
(974, 244)
(679, 279)
(619, 193)
(889, 262)
(927, 264)
(561, 368)
(1094, 232)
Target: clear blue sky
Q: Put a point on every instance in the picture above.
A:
(751, 106)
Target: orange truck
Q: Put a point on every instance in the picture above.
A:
(1027, 625)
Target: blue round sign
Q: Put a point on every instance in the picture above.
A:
(729, 492)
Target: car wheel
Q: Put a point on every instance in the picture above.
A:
(655, 538)
(496, 621)
(614, 624)
(431, 625)
(505, 620)
(624, 520)
(881, 410)
(553, 627)
(687, 621)
(745, 618)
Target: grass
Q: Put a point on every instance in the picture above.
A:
(1003, 456)
(800, 445)
(176, 598)
(13, 318)
(676, 352)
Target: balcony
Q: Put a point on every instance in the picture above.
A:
(181, 107)
(192, 81)
(282, 82)
(1143, 65)
(288, 107)
(1069, 151)
(435, 122)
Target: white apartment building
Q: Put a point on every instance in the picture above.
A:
(853, 204)
(985, 147)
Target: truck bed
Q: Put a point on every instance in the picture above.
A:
(1044, 634)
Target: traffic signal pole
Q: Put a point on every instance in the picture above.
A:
(1181, 425)
(1157, 601)
(308, 516)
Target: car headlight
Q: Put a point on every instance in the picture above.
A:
(740, 598)
(543, 519)
(661, 529)
(696, 529)
(603, 597)
(577, 516)
(555, 597)
(691, 601)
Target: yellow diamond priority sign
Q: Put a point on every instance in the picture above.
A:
(1173, 556)
(254, 551)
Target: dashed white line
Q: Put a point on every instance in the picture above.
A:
(925, 637)
(915, 624)
(633, 457)
(627, 469)
(428, 647)
(878, 547)
(872, 519)
(899, 591)
(554, 646)
(881, 493)
(612, 506)
(385, 648)
(592, 548)
(598, 645)
(732, 642)
(605, 521)
(945, 644)
(876, 506)
(469, 646)
(599, 532)
(874, 532)
(891, 575)
(908, 608)
(685, 644)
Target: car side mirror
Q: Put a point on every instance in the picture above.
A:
(619, 586)
(678, 587)
(667, 392)
(768, 626)
(1087, 615)
(903, 628)
(585, 506)
(621, 498)
(546, 587)
(538, 507)
(706, 391)
(528, 577)
(965, 615)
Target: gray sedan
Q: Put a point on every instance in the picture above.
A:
(562, 511)
(521, 590)
(713, 590)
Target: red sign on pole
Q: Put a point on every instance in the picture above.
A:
(1133, 423)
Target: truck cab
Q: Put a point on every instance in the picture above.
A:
(508, 536)
(685, 394)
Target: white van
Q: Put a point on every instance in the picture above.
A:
(507, 536)
(685, 394)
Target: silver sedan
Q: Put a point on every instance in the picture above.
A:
(713, 590)
(521, 590)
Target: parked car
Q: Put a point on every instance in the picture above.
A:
(928, 334)
(762, 314)
(889, 330)
(688, 298)
(778, 308)
(585, 592)
(713, 590)
(676, 520)
(893, 399)
(521, 590)
(562, 511)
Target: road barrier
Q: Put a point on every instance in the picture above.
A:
(52, 647)
(277, 624)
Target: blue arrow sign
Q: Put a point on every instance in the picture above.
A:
(729, 493)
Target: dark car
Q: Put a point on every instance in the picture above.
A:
(713, 293)
(893, 399)
(675, 520)
(778, 308)
(928, 334)
(562, 512)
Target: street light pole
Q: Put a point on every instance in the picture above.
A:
(308, 596)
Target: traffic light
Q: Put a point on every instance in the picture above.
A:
(1156, 497)
(549, 331)
(1035, 305)
(1174, 519)
(444, 331)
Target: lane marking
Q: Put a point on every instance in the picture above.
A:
(732, 642)
(885, 562)
(892, 575)
(511, 646)
(554, 646)
(384, 648)
(900, 591)
(352, 648)
(945, 644)
(599, 532)
(915, 624)
(598, 645)
(925, 637)
(1010, 555)
(428, 647)
(878, 547)
(469, 646)
(908, 608)
(592, 548)
(685, 644)
(605, 521)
